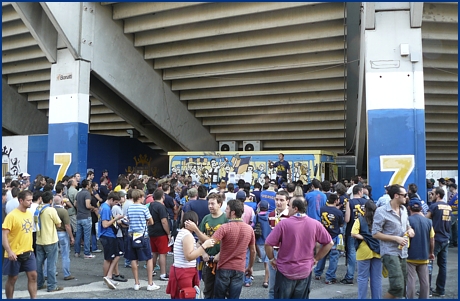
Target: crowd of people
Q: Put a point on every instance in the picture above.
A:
(216, 235)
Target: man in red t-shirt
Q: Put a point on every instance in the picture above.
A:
(235, 238)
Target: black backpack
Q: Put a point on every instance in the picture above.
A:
(257, 228)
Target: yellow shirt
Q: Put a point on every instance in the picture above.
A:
(48, 221)
(117, 188)
(422, 261)
(363, 252)
(20, 225)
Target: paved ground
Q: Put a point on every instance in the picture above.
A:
(89, 285)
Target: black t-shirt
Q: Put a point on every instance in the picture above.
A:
(441, 214)
(332, 219)
(169, 204)
(200, 206)
(103, 192)
(94, 204)
(357, 210)
(158, 212)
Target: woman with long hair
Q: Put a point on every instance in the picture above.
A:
(94, 191)
(367, 254)
(183, 272)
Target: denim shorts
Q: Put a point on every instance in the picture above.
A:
(143, 254)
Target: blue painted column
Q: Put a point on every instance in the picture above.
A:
(394, 94)
(68, 117)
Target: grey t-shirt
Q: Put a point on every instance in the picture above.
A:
(82, 211)
(116, 210)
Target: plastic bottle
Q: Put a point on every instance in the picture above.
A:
(407, 245)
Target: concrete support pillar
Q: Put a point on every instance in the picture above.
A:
(394, 100)
(69, 110)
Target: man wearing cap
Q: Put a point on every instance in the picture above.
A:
(384, 199)
(453, 202)
(442, 184)
(441, 214)
(421, 250)
(269, 196)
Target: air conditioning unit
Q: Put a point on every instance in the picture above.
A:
(227, 146)
(251, 146)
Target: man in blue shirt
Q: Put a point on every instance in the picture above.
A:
(283, 169)
(269, 196)
(108, 228)
(315, 200)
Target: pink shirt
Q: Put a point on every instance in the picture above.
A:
(248, 214)
(297, 238)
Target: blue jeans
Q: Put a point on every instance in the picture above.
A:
(64, 245)
(83, 229)
(49, 252)
(93, 242)
(333, 261)
(247, 279)
(351, 258)
(272, 277)
(370, 268)
(440, 252)
(292, 289)
(228, 280)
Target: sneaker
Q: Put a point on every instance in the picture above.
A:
(109, 283)
(127, 266)
(170, 253)
(317, 277)
(152, 287)
(346, 281)
(90, 256)
(56, 289)
(259, 260)
(333, 281)
(97, 251)
(77, 255)
(145, 266)
(436, 294)
(119, 278)
(252, 277)
(154, 273)
(157, 267)
(69, 277)
(43, 287)
(164, 278)
(137, 287)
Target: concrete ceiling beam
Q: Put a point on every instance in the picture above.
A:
(305, 144)
(39, 96)
(248, 39)
(440, 12)
(13, 28)
(275, 118)
(441, 88)
(267, 100)
(26, 66)
(441, 100)
(130, 9)
(440, 31)
(110, 126)
(265, 89)
(260, 21)
(437, 47)
(9, 14)
(200, 13)
(323, 59)
(252, 134)
(18, 41)
(22, 54)
(291, 109)
(281, 127)
(40, 26)
(275, 76)
(27, 77)
(34, 87)
(248, 53)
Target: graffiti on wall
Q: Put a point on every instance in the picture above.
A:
(10, 163)
(143, 166)
(210, 167)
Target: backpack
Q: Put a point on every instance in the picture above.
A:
(257, 228)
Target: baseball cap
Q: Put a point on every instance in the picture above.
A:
(263, 205)
(25, 174)
(452, 180)
(241, 195)
(453, 185)
(415, 203)
(387, 187)
(442, 180)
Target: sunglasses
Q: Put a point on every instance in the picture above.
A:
(403, 195)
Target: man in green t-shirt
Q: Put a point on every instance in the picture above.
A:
(208, 226)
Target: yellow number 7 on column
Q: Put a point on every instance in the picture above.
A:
(64, 160)
(401, 165)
